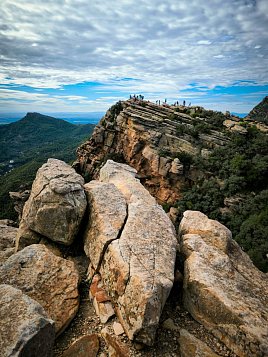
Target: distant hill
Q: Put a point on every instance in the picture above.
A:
(27, 144)
(38, 135)
(260, 112)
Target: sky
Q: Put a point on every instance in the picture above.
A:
(83, 56)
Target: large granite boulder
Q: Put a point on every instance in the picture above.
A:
(50, 280)
(108, 211)
(8, 236)
(25, 329)
(137, 267)
(223, 290)
(57, 203)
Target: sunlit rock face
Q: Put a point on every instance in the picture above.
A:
(56, 205)
(133, 250)
(222, 288)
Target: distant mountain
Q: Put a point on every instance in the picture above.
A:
(27, 144)
(38, 134)
(260, 112)
(73, 118)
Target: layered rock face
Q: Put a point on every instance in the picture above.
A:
(46, 278)
(140, 133)
(137, 269)
(56, 205)
(25, 328)
(222, 288)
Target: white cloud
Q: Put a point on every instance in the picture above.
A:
(166, 45)
(204, 42)
(219, 56)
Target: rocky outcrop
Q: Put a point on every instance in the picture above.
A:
(25, 329)
(222, 288)
(235, 126)
(137, 269)
(190, 346)
(149, 138)
(46, 278)
(8, 236)
(19, 198)
(56, 205)
(85, 346)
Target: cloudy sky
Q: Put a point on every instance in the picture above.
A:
(83, 56)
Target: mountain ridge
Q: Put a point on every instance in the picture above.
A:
(190, 158)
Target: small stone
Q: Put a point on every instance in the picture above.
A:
(170, 325)
(101, 296)
(118, 329)
(86, 346)
(104, 310)
(115, 348)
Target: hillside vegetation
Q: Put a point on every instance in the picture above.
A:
(27, 144)
(236, 193)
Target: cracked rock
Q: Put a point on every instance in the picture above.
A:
(25, 329)
(57, 197)
(223, 290)
(108, 211)
(50, 280)
(138, 268)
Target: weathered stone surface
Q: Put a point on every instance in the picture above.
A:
(57, 202)
(26, 236)
(239, 129)
(7, 241)
(25, 329)
(7, 222)
(108, 211)
(103, 309)
(85, 346)
(138, 269)
(19, 198)
(176, 167)
(222, 288)
(115, 348)
(229, 123)
(46, 278)
(118, 329)
(190, 346)
(173, 214)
